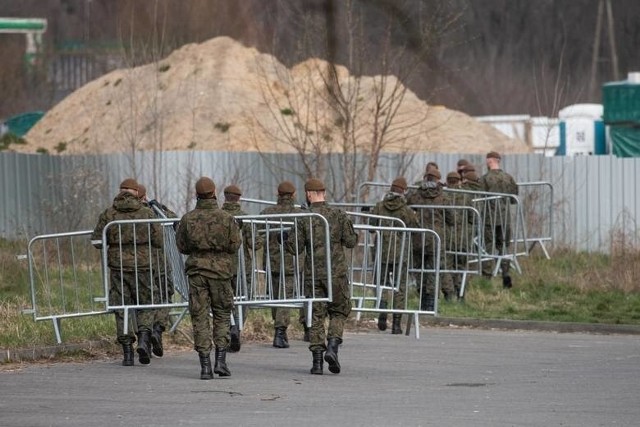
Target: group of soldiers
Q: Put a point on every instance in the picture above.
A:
(210, 236)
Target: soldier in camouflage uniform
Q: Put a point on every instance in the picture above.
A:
(232, 194)
(460, 232)
(498, 235)
(129, 261)
(211, 239)
(394, 205)
(163, 276)
(342, 235)
(284, 278)
(430, 193)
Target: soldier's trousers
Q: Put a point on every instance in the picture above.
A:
(166, 291)
(281, 315)
(389, 279)
(131, 288)
(497, 241)
(206, 296)
(338, 311)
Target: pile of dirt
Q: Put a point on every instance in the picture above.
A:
(222, 96)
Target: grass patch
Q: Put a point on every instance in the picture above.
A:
(571, 287)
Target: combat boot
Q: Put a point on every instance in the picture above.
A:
(205, 366)
(279, 338)
(127, 351)
(331, 355)
(220, 366)
(234, 344)
(316, 369)
(382, 317)
(144, 352)
(506, 282)
(395, 327)
(156, 340)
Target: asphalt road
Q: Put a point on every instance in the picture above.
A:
(449, 377)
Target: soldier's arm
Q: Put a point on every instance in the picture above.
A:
(181, 237)
(349, 235)
(234, 235)
(96, 236)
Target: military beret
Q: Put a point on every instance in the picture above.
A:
(233, 189)
(314, 184)
(493, 155)
(466, 168)
(453, 175)
(434, 173)
(205, 185)
(471, 176)
(286, 187)
(400, 183)
(129, 184)
(142, 191)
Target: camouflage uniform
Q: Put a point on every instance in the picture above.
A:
(394, 205)
(430, 193)
(129, 260)
(460, 235)
(287, 274)
(342, 235)
(498, 235)
(211, 239)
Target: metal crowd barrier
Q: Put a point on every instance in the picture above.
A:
(259, 285)
(65, 278)
(537, 206)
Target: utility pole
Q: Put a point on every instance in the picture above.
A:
(604, 6)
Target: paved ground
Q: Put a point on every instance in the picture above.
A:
(449, 377)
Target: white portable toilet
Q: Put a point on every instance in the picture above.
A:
(581, 130)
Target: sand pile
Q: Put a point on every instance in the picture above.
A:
(221, 95)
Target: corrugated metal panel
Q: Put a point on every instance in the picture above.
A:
(596, 199)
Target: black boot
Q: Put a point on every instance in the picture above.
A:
(306, 337)
(316, 369)
(156, 340)
(220, 367)
(127, 351)
(382, 317)
(205, 366)
(234, 344)
(279, 338)
(331, 356)
(506, 282)
(395, 327)
(144, 352)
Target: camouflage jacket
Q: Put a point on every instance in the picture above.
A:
(341, 235)
(394, 205)
(211, 239)
(248, 243)
(285, 206)
(128, 247)
(498, 181)
(433, 219)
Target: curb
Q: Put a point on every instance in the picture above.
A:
(50, 352)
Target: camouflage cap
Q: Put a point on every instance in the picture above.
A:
(493, 155)
(142, 191)
(400, 183)
(286, 187)
(233, 189)
(314, 184)
(205, 185)
(129, 184)
(463, 162)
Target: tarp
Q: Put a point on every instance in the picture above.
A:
(19, 125)
(625, 141)
(621, 101)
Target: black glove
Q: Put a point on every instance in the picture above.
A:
(366, 209)
(283, 237)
